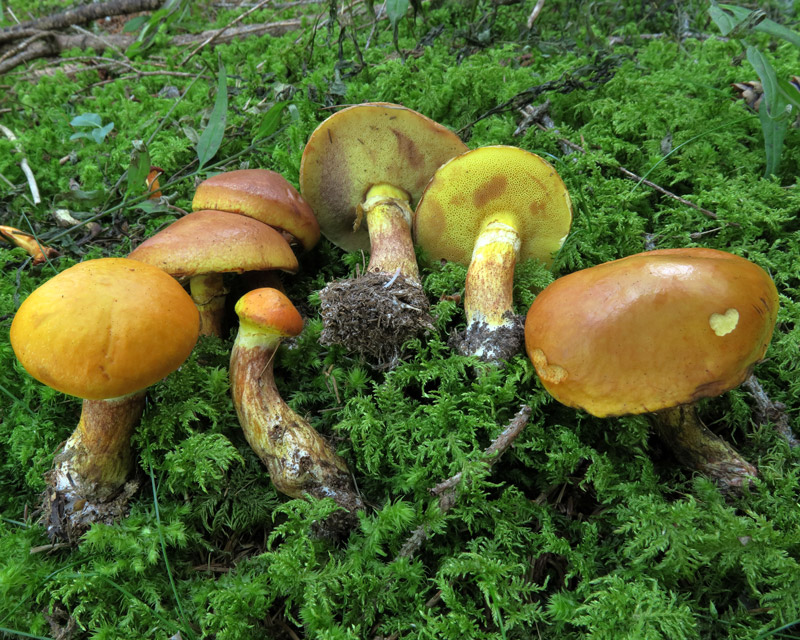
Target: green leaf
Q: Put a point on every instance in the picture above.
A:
(138, 170)
(211, 138)
(135, 24)
(773, 111)
(271, 120)
(739, 16)
(87, 120)
(395, 10)
(100, 134)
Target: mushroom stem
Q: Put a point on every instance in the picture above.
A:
(96, 459)
(388, 216)
(489, 294)
(208, 292)
(298, 458)
(700, 449)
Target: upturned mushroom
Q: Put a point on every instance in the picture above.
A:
(263, 195)
(490, 208)
(103, 330)
(299, 460)
(204, 245)
(362, 171)
(654, 333)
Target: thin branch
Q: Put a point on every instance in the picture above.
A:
(535, 13)
(446, 490)
(58, 43)
(81, 14)
(219, 32)
(768, 411)
(26, 169)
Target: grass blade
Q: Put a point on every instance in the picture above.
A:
(211, 138)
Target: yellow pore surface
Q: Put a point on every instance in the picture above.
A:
(498, 183)
(363, 146)
(651, 331)
(105, 328)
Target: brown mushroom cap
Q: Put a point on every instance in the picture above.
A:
(105, 328)
(651, 331)
(500, 183)
(362, 146)
(271, 311)
(263, 195)
(216, 242)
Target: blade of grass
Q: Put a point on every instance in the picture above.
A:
(187, 628)
(17, 400)
(692, 139)
(22, 634)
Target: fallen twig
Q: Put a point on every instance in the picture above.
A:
(26, 169)
(768, 411)
(446, 490)
(57, 43)
(535, 13)
(217, 34)
(81, 14)
(632, 176)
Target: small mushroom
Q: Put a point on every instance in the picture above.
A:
(654, 333)
(362, 171)
(203, 245)
(489, 208)
(263, 195)
(299, 460)
(102, 330)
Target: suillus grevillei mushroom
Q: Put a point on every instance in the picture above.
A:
(363, 169)
(654, 333)
(299, 460)
(204, 245)
(103, 330)
(490, 208)
(263, 195)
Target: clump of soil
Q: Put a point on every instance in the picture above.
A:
(491, 344)
(373, 315)
(68, 514)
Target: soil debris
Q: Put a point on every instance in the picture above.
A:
(373, 315)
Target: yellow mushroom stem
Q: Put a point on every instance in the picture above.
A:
(388, 215)
(96, 459)
(208, 292)
(697, 447)
(489, 288)
(298, 458)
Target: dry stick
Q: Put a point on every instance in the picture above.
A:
(769, 411)
(447, 490)
(218, 33)
(79, 15)
(58, 43)
(26, 169)
(535, 13)
(633, 176)
(22, 46)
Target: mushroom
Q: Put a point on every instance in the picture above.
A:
(203, 245)
(362, 171)
(102, 330)
(654, 333)
(489, 208)
(263, 195)
(298, 458)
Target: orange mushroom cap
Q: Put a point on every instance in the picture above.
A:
(651, 331)
(495, 183)
(263, 195)
(205, 242)
(271, 311)
(363, 146)
(105, 328)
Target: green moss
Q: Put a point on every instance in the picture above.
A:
(586, 527)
